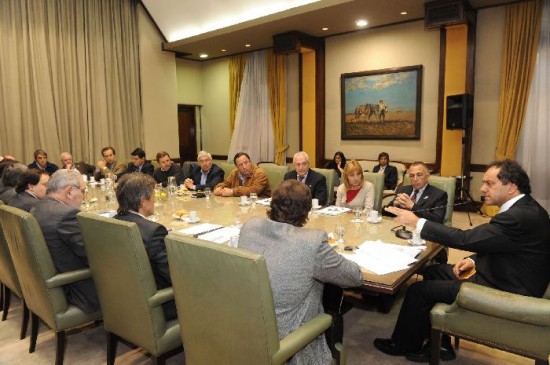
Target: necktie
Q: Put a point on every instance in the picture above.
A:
(203, 178)
(413, 197)
(301, 178)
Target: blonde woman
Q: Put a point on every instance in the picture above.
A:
(355, 191)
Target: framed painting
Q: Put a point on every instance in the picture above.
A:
(382, 104)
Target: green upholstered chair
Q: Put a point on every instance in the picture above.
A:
(10, 284)
(128, 295)
(378, 181)
(225, 304)
(41, 285)
(506, 321)
(331, 177)
(227, 167)
(275, 173)
(447, 184)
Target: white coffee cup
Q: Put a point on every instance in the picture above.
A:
(416, 239)
(244, 199)
(234, 241)
(92, 179)
(373, 215)
(193, 216)
(85, 177)
(102, 181)
(315, 203)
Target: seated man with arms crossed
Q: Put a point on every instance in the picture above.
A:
(41, 162)
(30, 189)
(136, 200)
(67, 162)
(205, 175)
(56, 215)
(109, 165)
(167, 168)
(314, 180)
(139, 163)
(299, 261)
(513, 254)
(246, 178)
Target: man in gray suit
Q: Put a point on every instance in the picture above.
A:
(56, 215)
(299, 261)
(30, 189)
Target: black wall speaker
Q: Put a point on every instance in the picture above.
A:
(460, 111)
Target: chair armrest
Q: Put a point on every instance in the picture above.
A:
(162, 296)
(67, 278)
(500, 304)
(303, 335)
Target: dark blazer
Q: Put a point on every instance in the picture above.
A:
(50, 167)
(24, 201)
(7, 193)
(84, 168)
(153, 235)
(147, 168)
(161, 177)
(317, 184)
(62, 234)
(390, 176)
(431, 197)
(213, 178)
(513, 249)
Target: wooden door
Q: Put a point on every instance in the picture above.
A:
(187, 133)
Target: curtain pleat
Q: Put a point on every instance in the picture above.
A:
(521, 36)
(69, 77)
(236, 72)
(276, 83)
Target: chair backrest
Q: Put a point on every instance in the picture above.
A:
(378, 181)
(275, 173)
(33, 264)
(224, 301)
(331, 177)
(401, 169)
(448, 185)
(8, 276)
(186, 168)
(226, 167)
(123, 278)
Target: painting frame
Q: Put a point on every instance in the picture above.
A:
(393, 96)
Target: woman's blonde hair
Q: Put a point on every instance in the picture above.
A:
(351, 167)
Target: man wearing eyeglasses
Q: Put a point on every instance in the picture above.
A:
(56, 215)
(420, 196)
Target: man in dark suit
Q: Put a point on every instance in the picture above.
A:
(10, 177)
(56, 215)
(167, 169)
(41, 162)
(68, 163)
(390, 172)
(136, 201)
(139, 164)
(424, 200)
(30, 189)
(314, 180)
(205, 175)
(513, 254)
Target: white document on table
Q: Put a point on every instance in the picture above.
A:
(265, 202)
(333, 210)
(200, 228)
(383, 258)
(220, 235)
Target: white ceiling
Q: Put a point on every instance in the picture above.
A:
(208, 26)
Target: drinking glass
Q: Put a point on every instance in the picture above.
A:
(340, 231)
(207, 192)
(357, 212)
(253, 198)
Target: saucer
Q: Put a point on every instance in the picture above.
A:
(376, 221)
(417, 244)
(245, 204)
(186, 219)
(316, 208)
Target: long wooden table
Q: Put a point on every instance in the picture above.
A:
(227, 212)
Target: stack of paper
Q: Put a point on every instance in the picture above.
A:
(201, 228)
(333, 210)
(265, 202)
(383, 258)
(220, 235)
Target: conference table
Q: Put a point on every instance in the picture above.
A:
(227, 211)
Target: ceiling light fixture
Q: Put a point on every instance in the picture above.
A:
(203, 55)
(324, 28)
(361, 22)
(403, 13)
(224, 50)
(247, 45)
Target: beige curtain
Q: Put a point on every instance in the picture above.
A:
(236, 72)
(276, 82)
(521, 38)
(69, 77)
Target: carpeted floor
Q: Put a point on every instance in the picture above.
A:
(362, 325)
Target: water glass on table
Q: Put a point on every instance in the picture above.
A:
(207, 193)
(340, 230)
(253, 198)
(357, 212)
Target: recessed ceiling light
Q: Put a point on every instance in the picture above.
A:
(361, 22)
(224, 50)
(324, 28)
(203, 55)
(403, 13)
(247, 45)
